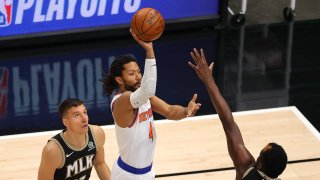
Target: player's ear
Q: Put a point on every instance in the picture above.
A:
(258, 163)
(65, 122)
(119, 80)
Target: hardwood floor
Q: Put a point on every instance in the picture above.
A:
(192, 145)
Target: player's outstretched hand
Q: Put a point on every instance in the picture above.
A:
(201, 67)
(193, 107)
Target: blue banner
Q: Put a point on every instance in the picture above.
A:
(25, 17)
(32, 86)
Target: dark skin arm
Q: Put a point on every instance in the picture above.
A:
(241, 157)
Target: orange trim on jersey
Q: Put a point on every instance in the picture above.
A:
(151, 131)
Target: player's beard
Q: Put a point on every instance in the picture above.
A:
(131, 88)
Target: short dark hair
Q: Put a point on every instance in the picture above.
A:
(67, 104)
(109, 82)
(273, 160)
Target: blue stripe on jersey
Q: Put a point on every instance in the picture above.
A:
(133, 170)
(134, 119)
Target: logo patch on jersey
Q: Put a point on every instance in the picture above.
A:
(5, 12)
(90, 146)
(68, 155)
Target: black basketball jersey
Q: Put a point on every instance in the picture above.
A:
(253, 175)
(77, 163)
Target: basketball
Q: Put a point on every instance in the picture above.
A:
(148, 24)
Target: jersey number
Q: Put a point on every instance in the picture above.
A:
(151, 132)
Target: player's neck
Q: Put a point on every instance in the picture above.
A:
(75, 139)
(122, 91)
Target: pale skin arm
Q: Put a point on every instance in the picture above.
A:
(51, 159)
(100, 164)
(174, 112)
(241, 157)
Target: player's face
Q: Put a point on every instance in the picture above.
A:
(131, 76)
(76, 119)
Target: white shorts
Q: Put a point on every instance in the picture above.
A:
(119, 174)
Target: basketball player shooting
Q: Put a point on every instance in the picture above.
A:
(272, 160)
(132, 108)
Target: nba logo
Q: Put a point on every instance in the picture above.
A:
(4, 78)
(5, 12)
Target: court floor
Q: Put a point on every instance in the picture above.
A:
(194, 148)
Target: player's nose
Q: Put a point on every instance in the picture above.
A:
(138, 77)
(85, 118)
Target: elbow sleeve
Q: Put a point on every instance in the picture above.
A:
(148, 84)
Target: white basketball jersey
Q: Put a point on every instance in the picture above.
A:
(137, 142)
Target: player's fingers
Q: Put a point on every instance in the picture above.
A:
(134, 35)
(196, 53)
(192, 65)
(203, 56)
(194, 98)
(132, 32)
(194, 58)
(211, 66)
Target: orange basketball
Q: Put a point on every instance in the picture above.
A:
(148, 24)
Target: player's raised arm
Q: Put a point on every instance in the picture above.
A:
(241, 157)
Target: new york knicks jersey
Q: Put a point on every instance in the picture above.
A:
(137, 142)
(78, 162)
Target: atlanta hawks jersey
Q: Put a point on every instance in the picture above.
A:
(77, 162)
(137, 142)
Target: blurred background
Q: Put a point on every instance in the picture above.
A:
(266, 55)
